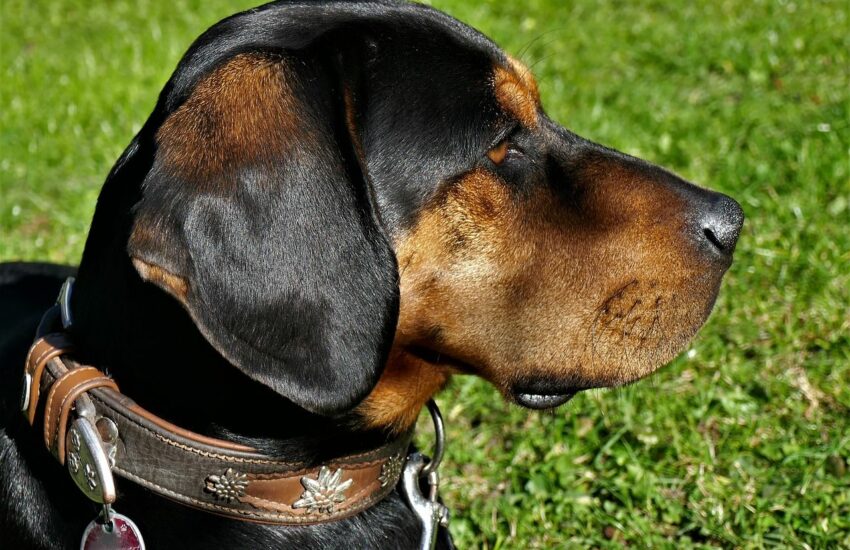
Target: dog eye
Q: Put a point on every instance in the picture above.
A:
(498, 153)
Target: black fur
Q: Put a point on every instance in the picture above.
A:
(293, 278)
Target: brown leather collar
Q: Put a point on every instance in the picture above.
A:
(94, 430)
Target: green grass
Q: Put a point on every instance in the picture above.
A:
(743, 441)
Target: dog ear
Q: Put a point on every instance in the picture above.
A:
(256, 217)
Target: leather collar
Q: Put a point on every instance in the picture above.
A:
(95, 431)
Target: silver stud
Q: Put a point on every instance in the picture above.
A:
(323, 493)
(229, 486)
(107, 430)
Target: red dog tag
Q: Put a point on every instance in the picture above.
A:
(123, 535)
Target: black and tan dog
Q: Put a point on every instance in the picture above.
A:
(334, 207)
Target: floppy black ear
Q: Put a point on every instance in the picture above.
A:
(256, 217)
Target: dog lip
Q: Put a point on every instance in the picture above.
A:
(539, 401)
(439, 359)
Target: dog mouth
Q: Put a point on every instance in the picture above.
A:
(542, 395)
(533, 395)
(440, 359)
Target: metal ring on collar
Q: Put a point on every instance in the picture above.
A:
(64, 302)
(440, 436)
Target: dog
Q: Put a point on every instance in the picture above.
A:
(335, 207)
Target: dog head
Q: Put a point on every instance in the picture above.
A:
(354, 201)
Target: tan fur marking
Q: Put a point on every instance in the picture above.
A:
(526, 76)
(516, 92)
(498, 153)
(171, 283)
(404, 388)
(243, 112)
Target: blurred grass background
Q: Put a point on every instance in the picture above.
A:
(744, 440)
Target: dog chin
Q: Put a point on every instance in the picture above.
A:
(612, 365)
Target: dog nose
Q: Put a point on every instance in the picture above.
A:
(721, 223)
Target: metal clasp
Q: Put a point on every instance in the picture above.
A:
(431, 513)
(88, 463)
(90, 448)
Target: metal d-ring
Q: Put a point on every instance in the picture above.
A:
(440, 436)
(64, 302)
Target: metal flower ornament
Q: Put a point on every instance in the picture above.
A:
(324, 493)
(229, 486)
(391, 470)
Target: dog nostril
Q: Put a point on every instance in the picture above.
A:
(721, 223)
(712, 238)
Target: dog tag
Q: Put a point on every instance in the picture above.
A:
(119, 533)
